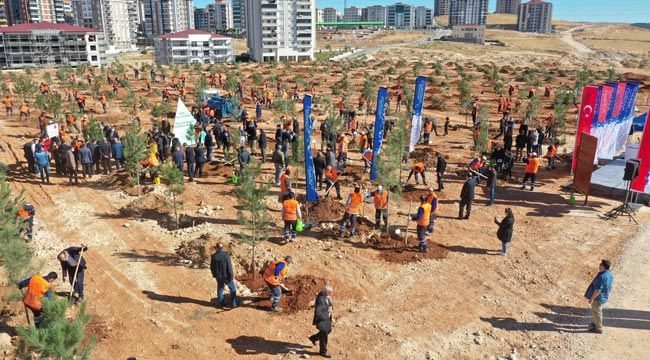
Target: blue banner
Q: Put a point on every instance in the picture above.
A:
(310, 172)
(418, 102)
(378, 136)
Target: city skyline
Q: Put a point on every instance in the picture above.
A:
(623, 11)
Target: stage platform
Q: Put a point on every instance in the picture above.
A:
(608, 181)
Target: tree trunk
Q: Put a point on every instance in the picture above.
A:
(178, 225)
(254, 238)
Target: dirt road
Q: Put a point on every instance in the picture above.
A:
(580, 48)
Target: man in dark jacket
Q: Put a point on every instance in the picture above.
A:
(441, 167)
(323, 319)
(28, 150)
(190, 159)
(177, 157)
(491, 184)
(243, 157)
(94, 150)
(221, 268)
(216, 131)
(506, 229)
(201, 159)
(263, 142)
(86, 160)
(118, 153)
(319, 166)
(466, 197)
(104, 149)
(209, 145)
(72, 263)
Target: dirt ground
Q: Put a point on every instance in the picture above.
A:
(152, 296)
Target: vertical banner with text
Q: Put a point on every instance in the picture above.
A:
(418, 103)
(310, 172)
(640, 184)
(378, 136)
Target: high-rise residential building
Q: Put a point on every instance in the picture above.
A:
(441, 8)
(376, 13)
(201, 19)
(535, 16)
(167, 16)
(87, 13)
(330, 15)
(239, 16)
(281, 30)
(193, 47)
(352, 14)
(220, 16)
(468, 12)
(423, 17)
(120, 20)
(401, 16)
(4, 12)
(507, 6)
(64, 45)
(319, 15)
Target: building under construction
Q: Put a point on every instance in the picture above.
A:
(46, 44)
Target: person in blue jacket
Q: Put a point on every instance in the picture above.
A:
(598, 293)
(42, 159)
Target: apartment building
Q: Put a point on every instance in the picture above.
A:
(507, 6)
(400, 16)
(468, 12)
(535, 16)
(193, 46)
(423, 17)
(376, 13)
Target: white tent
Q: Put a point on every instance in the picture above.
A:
(183, 122)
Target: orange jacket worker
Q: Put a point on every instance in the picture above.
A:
(290, 215)
(38, 287)
(274, 275)
(352, 209)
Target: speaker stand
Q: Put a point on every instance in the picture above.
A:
(625, 209)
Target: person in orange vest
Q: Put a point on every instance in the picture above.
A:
(532, 165)
(341, 106)
(290, 214)
(422, 218)
(500, 101)
(37, 287)
(26, 214)
(273, 275)
(90, 79)
(332, 179)
(418, 169)
(432, 199)
(342, 148)
(550, 155)
(25, 111)
(531, 93)
(363, 141)
(352, 210)
(380, 199)
(285, 184)
(102, 100)
(81, 103)
(511, 90)
(428, 128)
(9, 105)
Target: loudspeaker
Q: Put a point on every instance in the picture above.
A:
(631, 170)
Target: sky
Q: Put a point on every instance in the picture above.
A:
(626, 11)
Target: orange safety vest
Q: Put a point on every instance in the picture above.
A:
(23, 214)
(424, 220)
(380, 200)
(363, 142)
(7, 102)
(356, 201)
(332, 175)
(343, 146)
(269, 273)
(551, 152)
(430, 199)
(367, 154)
(290, 207)
(418, 167)
(532, 166)
(69, 119)
(37, 288)
(428, 127)
(24, 108)
(283, 183)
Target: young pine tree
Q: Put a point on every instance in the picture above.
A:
(58, 337)
(93, 132)
(173, 178)
(253, 214)
(15, 255)
(135, 145)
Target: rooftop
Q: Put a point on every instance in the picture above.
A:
(20, 28)
(186, 33)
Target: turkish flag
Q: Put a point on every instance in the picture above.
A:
(639, 184)
(587, 111)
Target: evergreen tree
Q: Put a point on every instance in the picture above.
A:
(135, 145)
(389, 163)
(481, 142)
(57, 337)
(93, 132)
(15, 254)
(253, 214)
(173, 178)
(24, 87)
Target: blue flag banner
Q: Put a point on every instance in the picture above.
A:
(378, 136)
(310, 172)
(418, 102)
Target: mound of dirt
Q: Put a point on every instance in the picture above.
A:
(155, 206)
(393, 248)
(325, 210)
(304, 289)
(196, 252)
(425, 155)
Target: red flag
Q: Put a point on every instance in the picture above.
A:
(587, 109)
(641, 181)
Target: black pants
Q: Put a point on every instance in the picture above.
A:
(319, 179)
(467, 205)
(321, 336)
(87, 169)
(290, 229)
(199, 169)
(441, 185)
(106, 163)
(531, 177)
(381, 213)
(72, 173)
(337, 187)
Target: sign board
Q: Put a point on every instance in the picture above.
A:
(184, 124)
(585, 163)
(52, 130)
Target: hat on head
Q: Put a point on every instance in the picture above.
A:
(288, 259)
